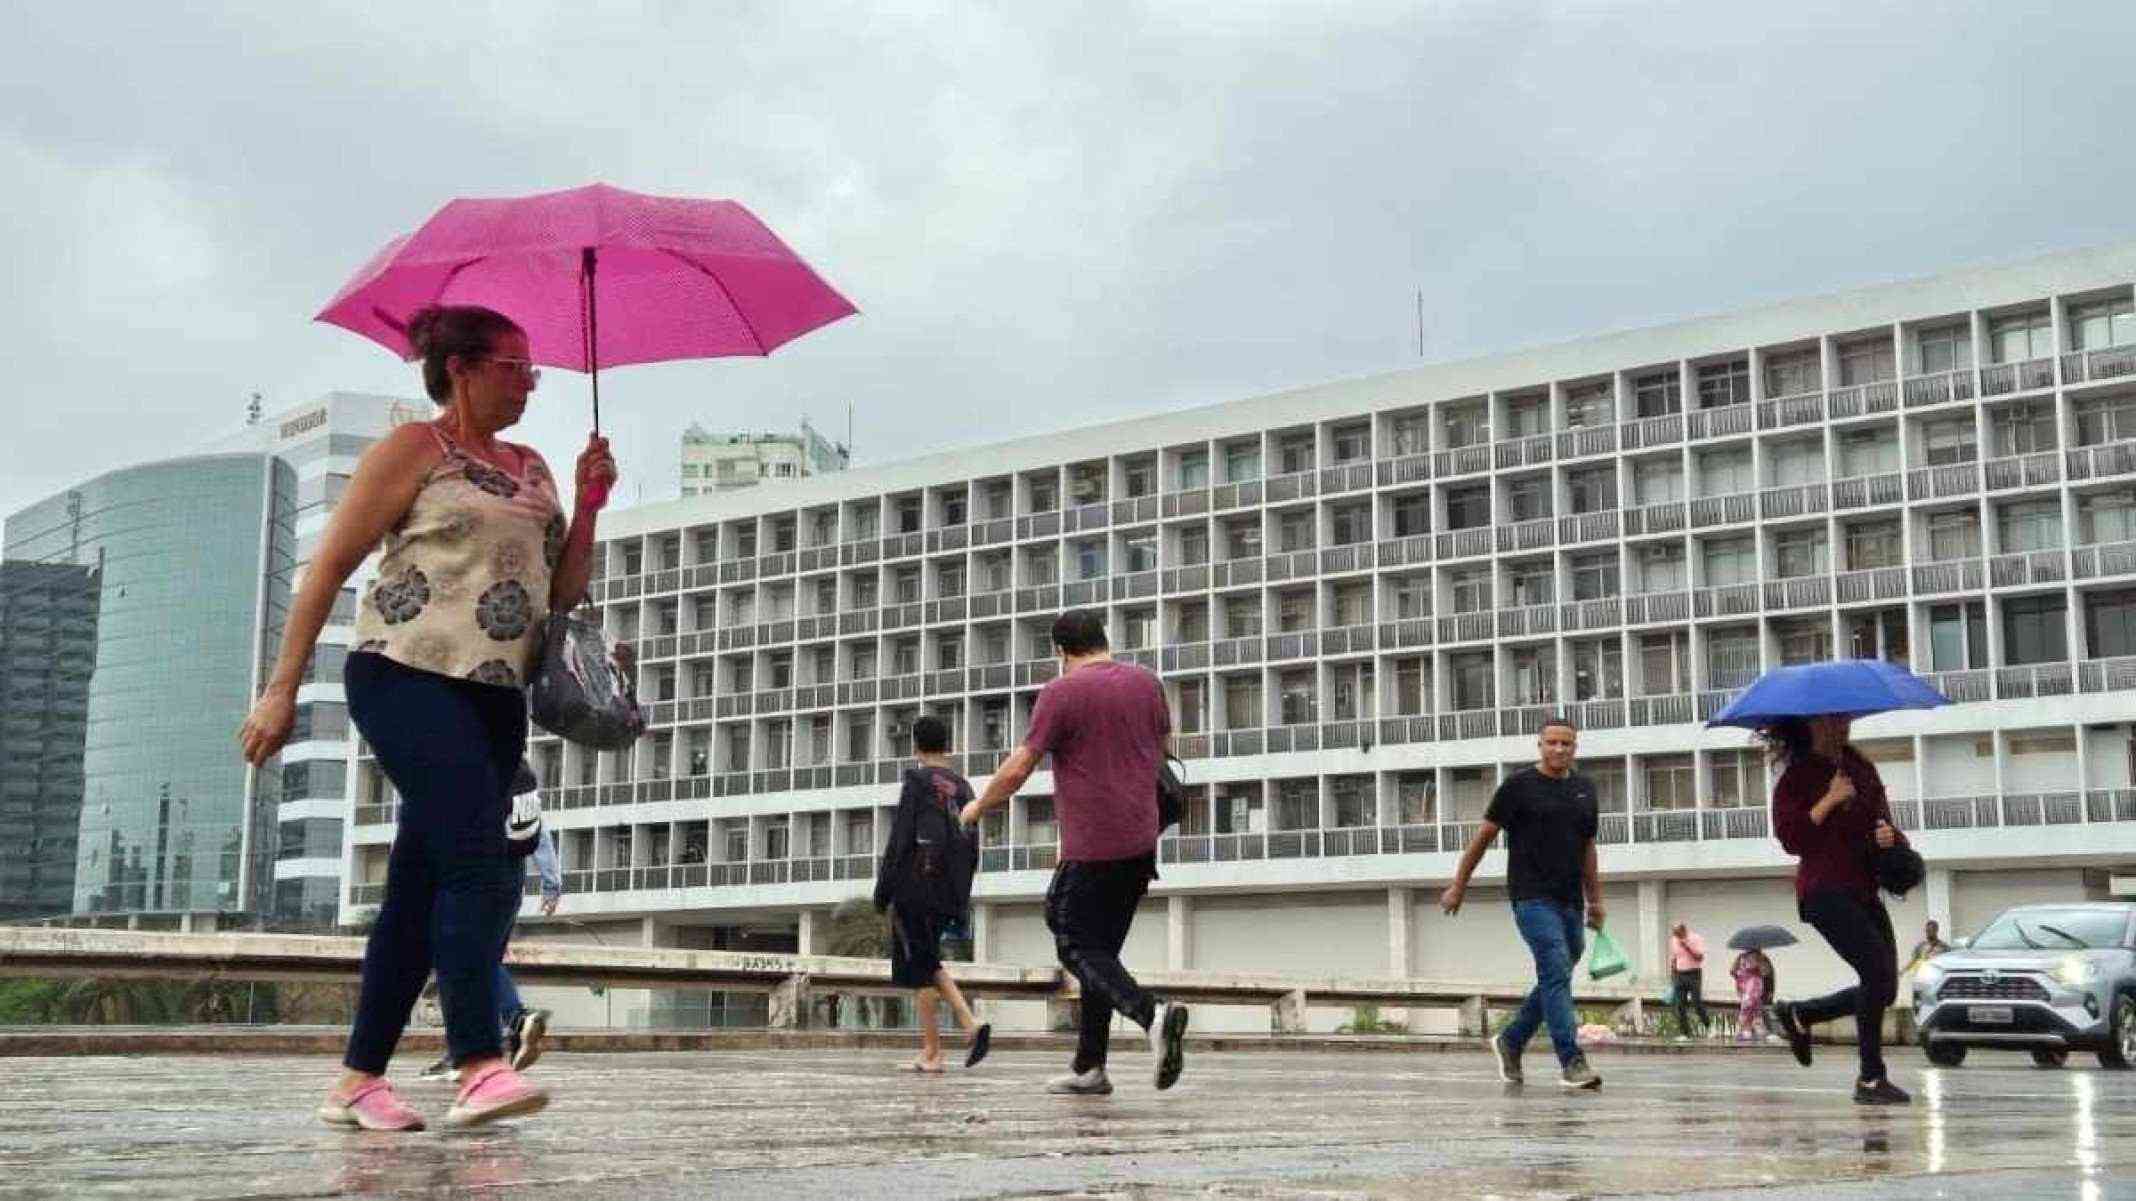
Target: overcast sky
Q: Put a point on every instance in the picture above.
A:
(1046, 218)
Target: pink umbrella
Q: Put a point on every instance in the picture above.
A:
(677, 279)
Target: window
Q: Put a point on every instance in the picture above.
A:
(2107, 517)
(1352, 442)
(2110, 624)
(1298, 698)
(1242, 616)
(1658, 393)
(1242, 461)
(1725, 472)
(1736, 779)
(1353, 604)
(1872, 544)
(1532, 583)
(1416, 801)
(1866, 361)
(1528, 499)
(1731, 561)
(1471, 677)
(1468, 507)
(998, 500)
(1412, 515)
(1089, 560)
(2035, 630)
(1193, 709)
(1141, 551)
(1045, 495)
(1661, 569)
(1597, 670)
(949, 650)
(1671, 782)
(1466, 425)
(954, 509)
(1409, 688)
(1798, 463)
(1806, 640)
(1294, 530)
(2018, 338)
(1594, 576)
(782, 670)
(1953, 536)
(1944, 348)
(1589, 406)
(1658, 481)
(1593, 490)
(1799, 553)
(2108, 420)
(1793, 373)
(1412, 597)
(1193, 622)
(1531, 676)
(1412, 434)
(1294, 612)
(908, 515)
(1193, 470)
(1294, 454)
(1471, 590)
(906, 585)
(1878, 635)
(1297, 804)
(994, 571)
(1242, 538)
(1139, 478)
(2031, 525)
(1527, 417)
(1957, 637)
(1731, 658)
(1721, 384)
(1240, 809)
(1140, 630)
(1867, 452)
(1664, 664)
(949, 578)
(1194, 545)
(905, 657)
(2023, 429)
(2101, 324)
(1242, 703)
(1948, 442)
(1353, 524)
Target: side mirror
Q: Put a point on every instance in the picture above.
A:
(1961, 943)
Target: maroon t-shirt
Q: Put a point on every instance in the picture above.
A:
(1841, 853)
(1104, 724)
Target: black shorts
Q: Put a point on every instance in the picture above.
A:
(915, 948)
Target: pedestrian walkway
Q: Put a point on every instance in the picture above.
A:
(845, 1125)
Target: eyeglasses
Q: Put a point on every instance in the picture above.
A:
(525, 367)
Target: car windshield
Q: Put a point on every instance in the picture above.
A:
(2053, 929)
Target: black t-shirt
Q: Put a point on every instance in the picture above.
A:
(1548, 823)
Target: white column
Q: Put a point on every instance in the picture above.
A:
(648, 932)
(1939, 902)
(1178, 932)
(1653, 929)
(983, 932)
(1401, 910)
(805, 938)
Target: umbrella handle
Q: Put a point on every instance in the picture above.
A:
(590, 328)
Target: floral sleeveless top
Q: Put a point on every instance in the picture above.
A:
(463, 585)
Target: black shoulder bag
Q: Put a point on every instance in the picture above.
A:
(1171, 794)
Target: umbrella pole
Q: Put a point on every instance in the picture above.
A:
(590, 328)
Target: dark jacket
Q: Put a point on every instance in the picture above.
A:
(928, 865)
(1840, 854)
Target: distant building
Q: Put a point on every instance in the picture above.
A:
(47, 649)
(723, 462)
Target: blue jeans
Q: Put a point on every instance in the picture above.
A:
(509, 1006)
(1557, 939)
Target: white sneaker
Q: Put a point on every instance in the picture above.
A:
(442, 1070)
(1168, 1036)
(1092, 1083)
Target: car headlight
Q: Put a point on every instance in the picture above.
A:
(2077, 970)
(1927, 977)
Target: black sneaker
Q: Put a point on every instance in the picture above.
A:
(1881, 1092)
(1508, 1059)
(1578, 1075)
(1168, 1036)
(1798, 1038)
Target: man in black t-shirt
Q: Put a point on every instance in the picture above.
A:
(1549, 816)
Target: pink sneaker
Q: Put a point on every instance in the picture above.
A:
(496, 1092)
(373, 1106)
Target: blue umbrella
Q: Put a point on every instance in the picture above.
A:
(1848, 688)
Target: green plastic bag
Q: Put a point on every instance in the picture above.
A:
(1605, 958)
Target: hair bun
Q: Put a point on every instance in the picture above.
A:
(423, 328)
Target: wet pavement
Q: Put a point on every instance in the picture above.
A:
(844, 1125)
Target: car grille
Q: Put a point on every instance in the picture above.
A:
(2002, 988)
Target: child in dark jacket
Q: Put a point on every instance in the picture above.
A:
(925, 883)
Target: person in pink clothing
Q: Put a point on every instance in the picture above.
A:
(1750, 971)
(1687, 967)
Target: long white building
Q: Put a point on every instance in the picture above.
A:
(1364, 597)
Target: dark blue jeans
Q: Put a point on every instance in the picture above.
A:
(452, 888)
(1557, 939)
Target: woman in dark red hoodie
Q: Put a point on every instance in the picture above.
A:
(1830, 812)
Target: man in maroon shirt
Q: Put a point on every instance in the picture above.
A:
(1106, 725)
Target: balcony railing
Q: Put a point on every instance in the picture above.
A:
(1783, 411)
(1409, 469)
(2034, 680)
(1648, 607)
(1716, 510)
(1661, 518)
(1728, 600)
(1464, 460)
(1588, 527)
(1963, 686)
(1940, 388)
(1461, 544)
(1794, 501)
(2024, 471)
(2102, 461)
(1956, 575)
(1665, 430)
(1527, 535)
(1955, 479)
(1593, 440)
(1877, 583)
(1525, 452)
(1528, 620)
(2107, 675)
(1888, 488)
(2103, 559)
(1721, 422)
(1863, 400)
(2030, 567)
(2000, 379)
(2091, 366)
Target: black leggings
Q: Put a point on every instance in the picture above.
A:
(1861, 933)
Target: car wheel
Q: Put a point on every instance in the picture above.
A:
(2049, 1059)
(2119, 1053)
(1945, 1055)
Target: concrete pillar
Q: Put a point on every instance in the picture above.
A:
(185, 923)
(982, 932)
(1652, 958)
(1938, 901)
(1063, 1012)
(649, 932)
(1474, 1018)
(1179, 932)
(1288, 1013)
(789, 1003)
(805, 938)
(1401, 913)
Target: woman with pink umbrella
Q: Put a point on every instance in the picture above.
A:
(477, 553)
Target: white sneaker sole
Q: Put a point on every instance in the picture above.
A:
(530, 1038)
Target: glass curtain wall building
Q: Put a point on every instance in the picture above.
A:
(48, 617)
(1364, 598)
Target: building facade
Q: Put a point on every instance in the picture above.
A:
(47, 651)
(1364, 598)
(191, 559)
(713, 463)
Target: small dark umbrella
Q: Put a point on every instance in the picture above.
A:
(1761, 938)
